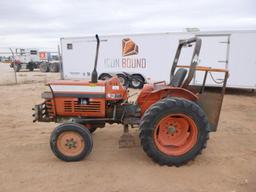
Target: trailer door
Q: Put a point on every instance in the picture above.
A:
(214, 53)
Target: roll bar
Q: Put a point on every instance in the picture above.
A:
(194, 60)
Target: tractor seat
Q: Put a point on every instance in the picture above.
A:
(178, 78)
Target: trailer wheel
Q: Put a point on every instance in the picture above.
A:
(54, 67)
(173, 131)
(30, 66)
(16, 67)
(71, 142)
(123, 79)
(44, 67)
(137, 81)
(104, 76)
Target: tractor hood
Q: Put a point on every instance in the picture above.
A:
(81, 89)
(110, 89)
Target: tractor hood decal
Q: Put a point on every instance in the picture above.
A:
(78, 88)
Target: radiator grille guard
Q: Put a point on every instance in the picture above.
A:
(44, 112)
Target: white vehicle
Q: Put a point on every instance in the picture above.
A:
(25, 59)
(149, 55)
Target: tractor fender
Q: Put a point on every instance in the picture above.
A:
(148, 98)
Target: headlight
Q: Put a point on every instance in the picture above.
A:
(114, 96)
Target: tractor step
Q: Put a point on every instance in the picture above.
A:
(126, 140)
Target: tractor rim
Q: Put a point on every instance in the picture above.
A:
(175, 134)
(70, 143)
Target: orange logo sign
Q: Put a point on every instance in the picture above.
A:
(42, 55)
(129, 47)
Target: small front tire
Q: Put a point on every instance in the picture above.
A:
(71, 142)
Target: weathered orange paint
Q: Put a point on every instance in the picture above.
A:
(150, 95)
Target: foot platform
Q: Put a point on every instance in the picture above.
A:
(126, 140)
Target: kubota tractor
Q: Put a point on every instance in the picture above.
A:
(174, 118)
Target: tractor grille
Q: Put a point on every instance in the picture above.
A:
(74, 106)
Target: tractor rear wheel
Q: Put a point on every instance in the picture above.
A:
(173, 131)
(71, 142)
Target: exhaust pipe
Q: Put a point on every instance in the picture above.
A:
(94, 72)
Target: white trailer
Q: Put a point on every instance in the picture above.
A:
(152, 54)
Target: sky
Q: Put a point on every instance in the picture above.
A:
(40, 24)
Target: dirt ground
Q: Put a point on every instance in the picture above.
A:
(27, 163)
(24, 76)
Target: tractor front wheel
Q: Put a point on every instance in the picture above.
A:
(71, 142)
(173, 131)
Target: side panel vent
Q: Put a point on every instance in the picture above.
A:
(68, 106)
(93, 106)
(71, 107)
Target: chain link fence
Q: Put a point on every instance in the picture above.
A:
(9, 76)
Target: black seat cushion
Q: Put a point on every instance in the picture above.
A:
(178, 78)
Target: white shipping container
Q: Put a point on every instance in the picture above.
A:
(152, 55)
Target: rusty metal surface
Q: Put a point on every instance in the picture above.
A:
(211, 99)
(211, 102)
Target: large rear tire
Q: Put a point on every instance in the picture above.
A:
(173, 131)
(71, 142)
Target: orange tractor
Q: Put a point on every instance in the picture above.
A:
(174, 118)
